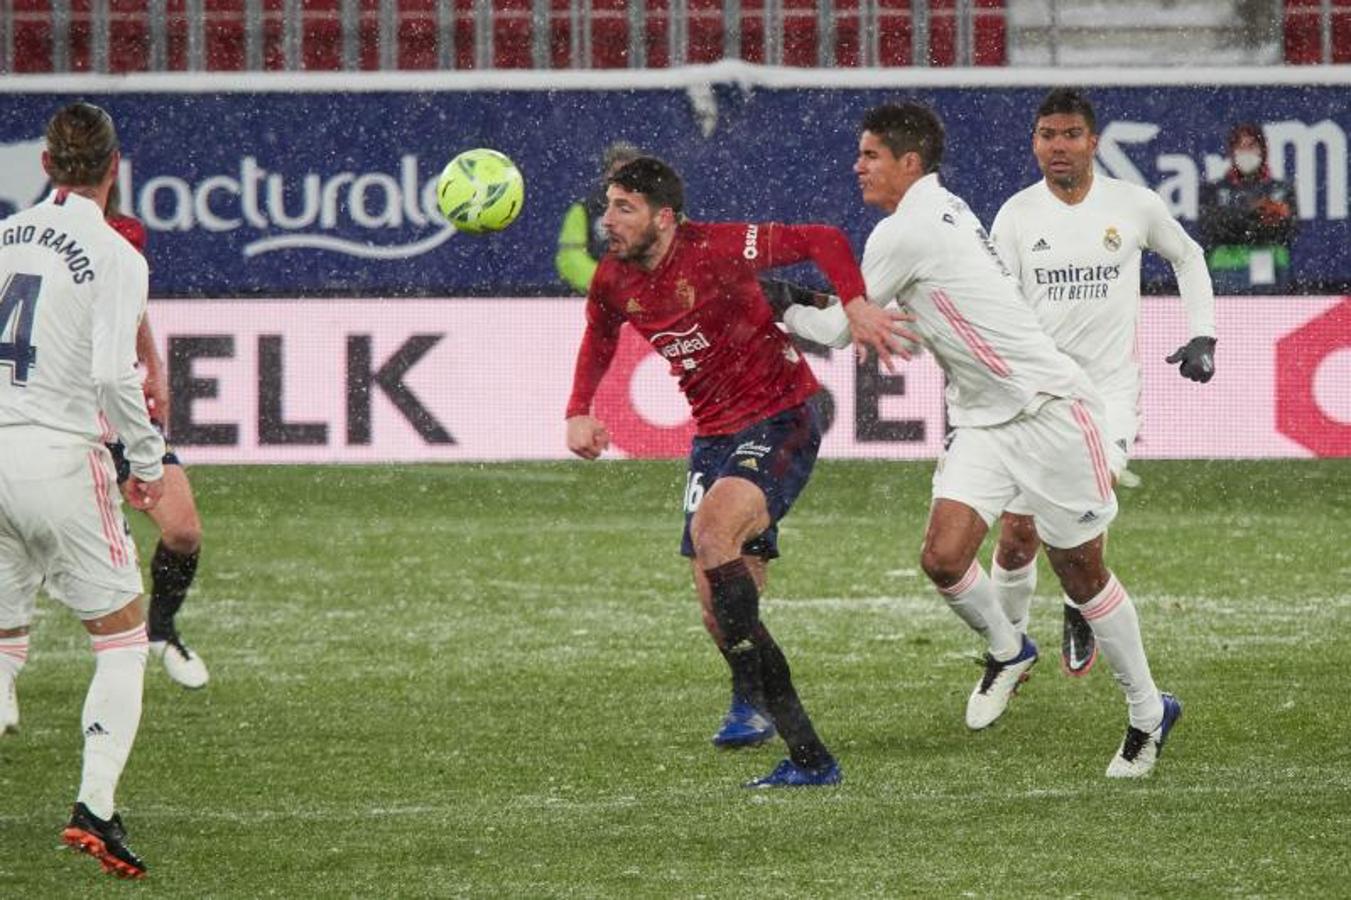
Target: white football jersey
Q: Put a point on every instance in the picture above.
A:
(72, 294)
(933, 257)
(1080, 268)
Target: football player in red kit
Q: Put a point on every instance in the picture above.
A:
(174, 564)
(690, 288)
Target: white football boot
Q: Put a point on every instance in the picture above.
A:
(998, 685)
(1140, 749)
(181, 662)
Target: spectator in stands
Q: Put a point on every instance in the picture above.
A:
(581, 241)
(1248, 220)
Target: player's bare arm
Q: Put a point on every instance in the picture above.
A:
(156, 384)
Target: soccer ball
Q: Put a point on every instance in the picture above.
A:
(480, 190)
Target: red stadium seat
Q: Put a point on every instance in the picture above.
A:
(224, 35)
(128, 36)
(990, 34)
(705, 31)
(32, 36)
(320, 35)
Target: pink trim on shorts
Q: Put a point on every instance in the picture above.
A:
(1106, 602)
(964, 585)
(109, 435)
(136, 637)
(1102, 472)
(117, 550)
(983, 351)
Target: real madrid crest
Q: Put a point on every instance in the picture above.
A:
(685, 293)
(1111, 239)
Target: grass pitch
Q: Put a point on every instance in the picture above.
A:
(491, 681)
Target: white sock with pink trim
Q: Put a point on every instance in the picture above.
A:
(13, 654)
(112, 713)
(1014, 588)
(973, 600)
(1112, 617)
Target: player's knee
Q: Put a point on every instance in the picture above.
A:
(1014, 553)
(1018, 542)
(943, 566)
(713, 543)
(182, 537)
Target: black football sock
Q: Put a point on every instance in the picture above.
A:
(171, 575)
(795, 726)
(736, 604)
(746, 682)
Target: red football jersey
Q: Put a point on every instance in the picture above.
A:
(702, 309)
(131, 229)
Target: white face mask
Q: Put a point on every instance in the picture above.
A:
(1247, 161)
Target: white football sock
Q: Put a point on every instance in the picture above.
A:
(1116, 627)
(13, 654)
(112, 713)
(973, 600)
(1014, 588)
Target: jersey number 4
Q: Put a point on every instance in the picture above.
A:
(19, 295)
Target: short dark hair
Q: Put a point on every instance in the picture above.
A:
(81, 141)
(1064, 101)
(908, 128)
(1250, 130)
(655, 180)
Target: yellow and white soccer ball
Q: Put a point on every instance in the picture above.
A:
(480, 190)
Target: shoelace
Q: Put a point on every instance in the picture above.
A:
(992, 669)
(177, 643)
(1135, 742)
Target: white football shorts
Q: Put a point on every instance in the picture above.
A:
(1053, 460)
(1119, 425)
(61, 527)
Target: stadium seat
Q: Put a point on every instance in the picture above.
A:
(1304, 32)
(128, 36)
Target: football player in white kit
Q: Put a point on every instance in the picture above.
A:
(1073, 240)
(1024, 419)
(72, 293)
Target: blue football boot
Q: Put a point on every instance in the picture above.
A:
(789, 774)
(743, 726)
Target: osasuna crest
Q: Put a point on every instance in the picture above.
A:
(1112, 238)
(685, 293)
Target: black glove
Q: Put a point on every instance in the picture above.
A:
(783, 294)
(1197, 358)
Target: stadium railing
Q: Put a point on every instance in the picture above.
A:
(118, 36)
